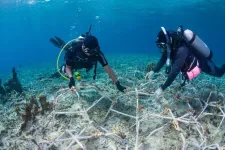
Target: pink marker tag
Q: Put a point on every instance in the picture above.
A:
(193, 73)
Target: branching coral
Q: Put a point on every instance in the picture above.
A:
(2, 89)
(13, 83)
(150, 66)
(135, 119)
(44, 103)
(30, 110)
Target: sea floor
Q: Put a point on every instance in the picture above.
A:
(48, 115)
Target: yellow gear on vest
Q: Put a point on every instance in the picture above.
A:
(78, 76)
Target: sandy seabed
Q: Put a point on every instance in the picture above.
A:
(98, 117)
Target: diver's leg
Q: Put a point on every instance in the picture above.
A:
(213, 70)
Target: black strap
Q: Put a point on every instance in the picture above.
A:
(192, 39)
(183, 83)
(168, 69)
(95, 70)
(184, 76)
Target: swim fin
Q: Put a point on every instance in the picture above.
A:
(61, 42)
(222, 70)
(57, 42)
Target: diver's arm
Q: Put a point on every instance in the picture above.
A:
(72, 81)
(110, 73)
(102, 60)
(113, 77)
(69, 71)
(180, 59)
(104, 63)
(69, 62)
(161, 62)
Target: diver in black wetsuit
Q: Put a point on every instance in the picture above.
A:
(183, 58)
(84, 53)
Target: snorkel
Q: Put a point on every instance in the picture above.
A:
(168, 68)
(89, 31)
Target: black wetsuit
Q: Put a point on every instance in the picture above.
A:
(76, 58)
(183, 59)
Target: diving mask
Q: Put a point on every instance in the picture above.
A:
(91, 51)
(162, 46)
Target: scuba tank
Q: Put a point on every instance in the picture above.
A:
(196, 43)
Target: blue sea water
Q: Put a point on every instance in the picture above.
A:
(122, 26)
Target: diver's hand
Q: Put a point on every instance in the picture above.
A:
(120, 87)
(72, 83)
(149, 74)
(73, 88)
(159, 92)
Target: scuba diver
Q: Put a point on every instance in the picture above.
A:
(183, 52)
(84, 52)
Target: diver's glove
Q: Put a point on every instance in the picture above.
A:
(57, 42)
(149, 75)
(72, 82)
(120, 87)
(159, 92)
